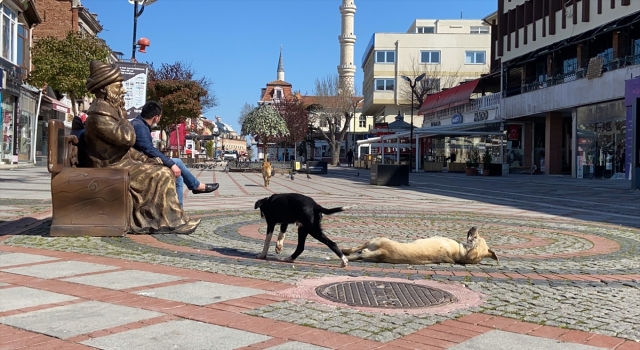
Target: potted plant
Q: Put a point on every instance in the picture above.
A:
(486, 160)
(472, 162)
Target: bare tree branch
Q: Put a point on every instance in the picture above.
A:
(333, 111)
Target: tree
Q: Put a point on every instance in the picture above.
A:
(436, 78)
(296, 116)
(244, 111)
(333, 111)
(63, 64)
(264, 123)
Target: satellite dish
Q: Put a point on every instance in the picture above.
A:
(142, 2)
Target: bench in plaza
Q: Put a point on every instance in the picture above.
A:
(86, 201)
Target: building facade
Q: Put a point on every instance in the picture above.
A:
(563, 65)
(18, 108)
(448, 52)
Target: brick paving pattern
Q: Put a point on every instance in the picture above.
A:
(569, 267)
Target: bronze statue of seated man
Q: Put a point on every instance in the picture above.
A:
(109, 138)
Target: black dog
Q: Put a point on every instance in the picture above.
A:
(289, 208)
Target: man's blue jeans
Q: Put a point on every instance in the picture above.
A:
(186, 178)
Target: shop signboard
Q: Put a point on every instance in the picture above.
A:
(135, 82)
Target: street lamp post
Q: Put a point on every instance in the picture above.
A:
(353, 133)
(137, 13)
(412, 84)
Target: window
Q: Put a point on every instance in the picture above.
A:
(385, 84)
(475, 57)
(479, 30)
(385, 56)
(430, 57)
(23, 47)
(636, 47)
(431, 85)
(570, 65)
(362, 121)
(8, 33)
(425, 30)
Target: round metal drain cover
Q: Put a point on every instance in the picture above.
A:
(381, 294)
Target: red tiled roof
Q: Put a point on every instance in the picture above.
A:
(279, 83)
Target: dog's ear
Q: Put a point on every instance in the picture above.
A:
(473, 233)
(493, 255)
(258, 203)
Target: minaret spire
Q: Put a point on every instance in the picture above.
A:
(280, 67)
(346, 69)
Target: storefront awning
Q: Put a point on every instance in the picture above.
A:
(56, 105)
(449, 98)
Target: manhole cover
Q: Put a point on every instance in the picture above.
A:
(383, 294)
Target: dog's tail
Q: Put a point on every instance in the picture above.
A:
(349, 251)
(329, 211)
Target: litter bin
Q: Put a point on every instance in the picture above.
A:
(295, 165)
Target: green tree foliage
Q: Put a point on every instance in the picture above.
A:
(63, 64)
(180, 93)
(265, 124)
(296, 117)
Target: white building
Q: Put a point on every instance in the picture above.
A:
(448, 51)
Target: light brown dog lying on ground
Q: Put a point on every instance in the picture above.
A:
(432, 250)
(266, 172)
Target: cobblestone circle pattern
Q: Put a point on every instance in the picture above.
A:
(579, 253)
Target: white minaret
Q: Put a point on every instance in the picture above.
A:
(346, 69)
(280, 67)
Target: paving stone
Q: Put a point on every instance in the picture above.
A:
(295, 345)
(123, 279)
(499, 340)
(75, 319)
(10, 259)
(59, 269)
(179, 334)
(16, 298)
(200, 293)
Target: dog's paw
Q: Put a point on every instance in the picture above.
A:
(261, 256)
(288, 259)
(345, 262)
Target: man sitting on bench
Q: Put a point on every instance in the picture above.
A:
(150, 115)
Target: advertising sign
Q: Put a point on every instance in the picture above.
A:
(135, 82)
(457, 119)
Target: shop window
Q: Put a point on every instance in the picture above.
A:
(601, 131)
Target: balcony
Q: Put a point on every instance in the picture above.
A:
(479, 104)
(564, 91)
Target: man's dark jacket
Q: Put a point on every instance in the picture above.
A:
(144, 143)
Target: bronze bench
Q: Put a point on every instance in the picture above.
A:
(86, 201)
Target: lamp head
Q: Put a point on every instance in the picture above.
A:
(406, 78)
(420, 77)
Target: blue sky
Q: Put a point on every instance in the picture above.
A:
(236, 43)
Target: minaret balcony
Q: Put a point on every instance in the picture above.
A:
(348, 9)
(347, 38)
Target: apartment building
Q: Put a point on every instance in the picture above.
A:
(564, 64)
(448, 52)
(18, 108)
